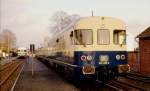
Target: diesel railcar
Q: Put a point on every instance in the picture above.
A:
(94, 47)
(22, 51)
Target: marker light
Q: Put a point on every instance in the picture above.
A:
(118, 57)
(83, 58)
(123, 57)
(89, 57)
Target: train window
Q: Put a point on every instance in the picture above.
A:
(119, 37)
(57, 40)
(103, 36)
(83, 37)
(71, 37)
(71, 34)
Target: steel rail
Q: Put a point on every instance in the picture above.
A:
(134, 86)
(6, 66)
(9, 74)
(118, 89)
(12, 88)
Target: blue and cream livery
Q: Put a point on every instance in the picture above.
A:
(93, 45)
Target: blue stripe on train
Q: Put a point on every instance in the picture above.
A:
(113, 62)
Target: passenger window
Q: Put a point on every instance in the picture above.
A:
(83, 37)
(119, 37)
(57, 40)
(103, 36)
(71, 34)
(71, 37)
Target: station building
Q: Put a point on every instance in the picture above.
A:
(144, 52)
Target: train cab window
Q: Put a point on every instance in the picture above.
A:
(103, 36)
(83, 37)
(119, 37)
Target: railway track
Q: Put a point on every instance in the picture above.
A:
(135, 83)
(138, 77)
(130, 82)
(124, 86)
(117, 86)
(9, 72)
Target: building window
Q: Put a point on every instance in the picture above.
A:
(103, 36)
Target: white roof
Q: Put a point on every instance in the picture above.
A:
(22, 48)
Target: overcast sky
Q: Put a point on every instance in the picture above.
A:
(30, 19)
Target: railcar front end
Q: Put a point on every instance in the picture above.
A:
(101, 63)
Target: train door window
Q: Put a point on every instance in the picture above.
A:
(103, 36)
(83, 37)
(119, 37)
(71, 37)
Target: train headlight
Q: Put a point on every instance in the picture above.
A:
(123, 68)
(123, 57)
(104, 59)
(89, 58)
(118, 57)
(83, 58)
(88, 69)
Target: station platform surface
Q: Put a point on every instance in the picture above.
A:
(43, 79)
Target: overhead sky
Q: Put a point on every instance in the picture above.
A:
(30, 19)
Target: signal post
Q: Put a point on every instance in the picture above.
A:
(32, 50)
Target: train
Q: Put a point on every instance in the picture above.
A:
(93, 48)
(22, 52)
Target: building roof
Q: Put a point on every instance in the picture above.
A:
(145, 33)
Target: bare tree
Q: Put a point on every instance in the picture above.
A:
(60, 21)
(57, 18)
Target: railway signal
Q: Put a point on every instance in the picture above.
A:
(32, 48)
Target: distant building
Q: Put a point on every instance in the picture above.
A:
(3, 46)
(144, 50)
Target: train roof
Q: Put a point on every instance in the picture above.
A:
(92, 21)
(100, 22)
(22, 48)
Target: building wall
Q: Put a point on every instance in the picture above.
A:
(145, 56)
(3, 47)
(133, 61)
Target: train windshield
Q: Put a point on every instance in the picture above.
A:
(119, 37)
(103, 36)
(83, 37)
